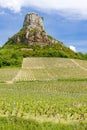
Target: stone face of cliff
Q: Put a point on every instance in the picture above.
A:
(32, 32)
(32, 21)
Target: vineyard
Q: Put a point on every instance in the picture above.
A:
(53, 69)
(7, 74)
(46, 90)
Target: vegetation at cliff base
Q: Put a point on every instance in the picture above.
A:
(13, 54)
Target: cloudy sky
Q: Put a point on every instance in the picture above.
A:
(66, 20)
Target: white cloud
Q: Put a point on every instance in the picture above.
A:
(14, 5)
(67, 8)
(73, 48)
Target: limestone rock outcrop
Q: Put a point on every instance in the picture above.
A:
(33, 20)
(32, 32)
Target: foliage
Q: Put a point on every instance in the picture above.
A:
(13, 123)
(13, 54)
(10, 57)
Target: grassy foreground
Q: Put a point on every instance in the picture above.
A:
(34, 103)
(62, 103)
(13, 123)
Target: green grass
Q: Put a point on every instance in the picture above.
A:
(13, 123)
(51, 101)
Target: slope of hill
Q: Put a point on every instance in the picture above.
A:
(44, 69)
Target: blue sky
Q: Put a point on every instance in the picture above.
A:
(65, 22)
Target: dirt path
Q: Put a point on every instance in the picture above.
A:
(77, 64)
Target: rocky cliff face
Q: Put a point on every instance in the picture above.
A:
(32, 21)
(33, 32)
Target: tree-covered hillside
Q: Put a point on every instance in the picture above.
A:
(13, 54)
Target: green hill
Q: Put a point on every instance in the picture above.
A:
(33, 41)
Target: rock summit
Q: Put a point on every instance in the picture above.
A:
(32, 32)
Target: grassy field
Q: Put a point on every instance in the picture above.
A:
(45, 94)
(7, 74)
